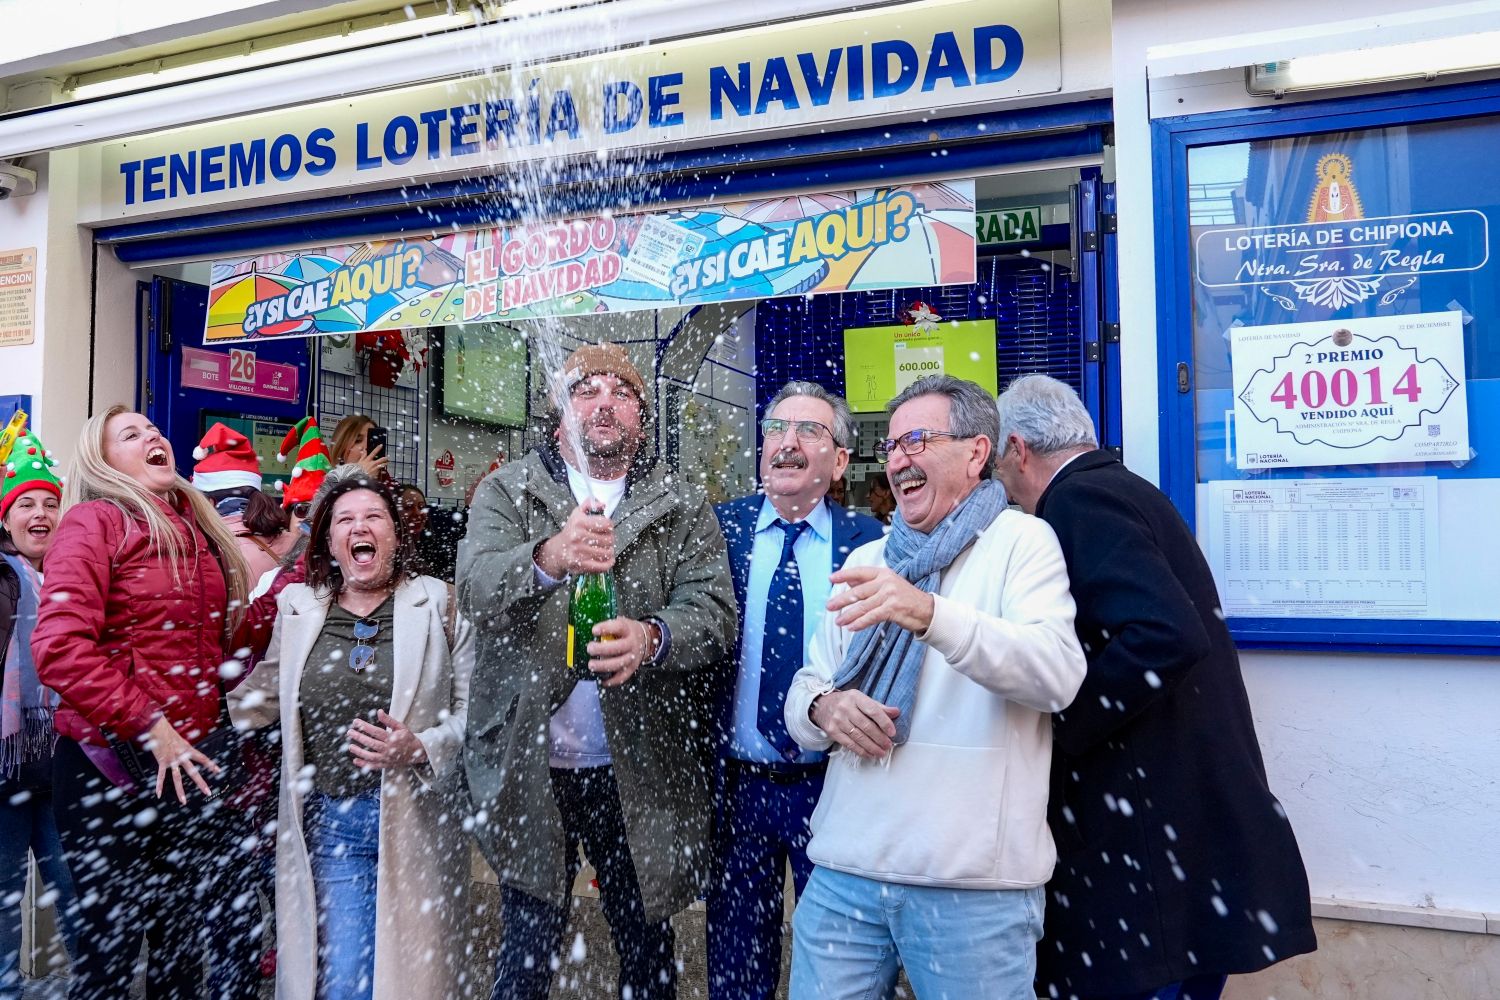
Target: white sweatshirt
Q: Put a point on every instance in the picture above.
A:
(963, 802)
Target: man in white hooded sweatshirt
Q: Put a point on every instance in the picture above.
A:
(947, 645)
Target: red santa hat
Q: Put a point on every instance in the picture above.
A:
(225, 460)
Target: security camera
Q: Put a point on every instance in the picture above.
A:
(16, 181)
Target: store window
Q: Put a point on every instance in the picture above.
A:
(1341, 298)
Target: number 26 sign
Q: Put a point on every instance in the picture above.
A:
(1350, 392)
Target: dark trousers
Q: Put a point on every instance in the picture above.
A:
(247, 874)
(764, 825)
(28, 829)
(141, 865)
(1197, 988)
(532, 943)
(238, 919)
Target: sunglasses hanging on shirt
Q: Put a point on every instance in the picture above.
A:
(362, 656)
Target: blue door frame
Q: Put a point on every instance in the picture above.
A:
(1099, 302)
(170, 316)
(1172, 138)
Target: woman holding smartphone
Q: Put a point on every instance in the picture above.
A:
(352, 443)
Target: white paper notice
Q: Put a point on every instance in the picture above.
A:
(1325, 548)
(1350, 392)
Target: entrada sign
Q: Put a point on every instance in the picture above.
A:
(1009, 225)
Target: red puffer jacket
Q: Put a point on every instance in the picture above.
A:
(118, 638)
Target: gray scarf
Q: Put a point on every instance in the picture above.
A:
(885, 662)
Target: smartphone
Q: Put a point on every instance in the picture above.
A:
(376, 439)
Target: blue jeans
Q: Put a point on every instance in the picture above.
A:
(28, 825)
(850, 934)
(343, 844)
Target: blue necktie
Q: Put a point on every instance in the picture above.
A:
(781, 647)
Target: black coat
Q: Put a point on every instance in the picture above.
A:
(1174, 858)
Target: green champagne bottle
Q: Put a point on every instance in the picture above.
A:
(592, 601)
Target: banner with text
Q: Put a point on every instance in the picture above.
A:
(910, 235)
(903, 59)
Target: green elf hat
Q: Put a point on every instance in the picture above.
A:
(29, 468)
(311, 464)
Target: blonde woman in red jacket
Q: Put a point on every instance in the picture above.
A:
(143, 585)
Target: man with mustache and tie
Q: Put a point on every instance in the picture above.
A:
(783, 546)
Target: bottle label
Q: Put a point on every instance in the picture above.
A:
(570, 645)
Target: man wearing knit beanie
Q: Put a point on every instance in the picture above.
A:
(624, 771)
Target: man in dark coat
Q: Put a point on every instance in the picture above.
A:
(783, 546)
(1176, 865)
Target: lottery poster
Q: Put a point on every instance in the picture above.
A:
(1381, 389)
(889, 237)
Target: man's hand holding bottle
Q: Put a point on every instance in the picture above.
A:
(586, 544)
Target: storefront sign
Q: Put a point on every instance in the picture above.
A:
(238, 372)
(1338, 257)
(17, 297)
(1009, 225)
(1350, 392)
(906, 58)
(893, 237)
(880, 361)
(1361, 251)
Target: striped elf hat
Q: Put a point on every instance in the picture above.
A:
(311, 464)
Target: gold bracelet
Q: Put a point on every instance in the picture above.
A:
(646, 638)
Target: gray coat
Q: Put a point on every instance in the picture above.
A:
(670, 563)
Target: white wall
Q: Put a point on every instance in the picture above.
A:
(55, 368)
(1386, 764)
(1387, 767)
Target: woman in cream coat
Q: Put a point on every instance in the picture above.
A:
(370, 797)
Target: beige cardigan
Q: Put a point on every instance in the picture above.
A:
(421, 896)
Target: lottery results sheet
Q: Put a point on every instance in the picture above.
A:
(1325, 548)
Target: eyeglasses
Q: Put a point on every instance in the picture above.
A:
(911, 443)
(808, 431)
(362, 656)
(301, 509)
